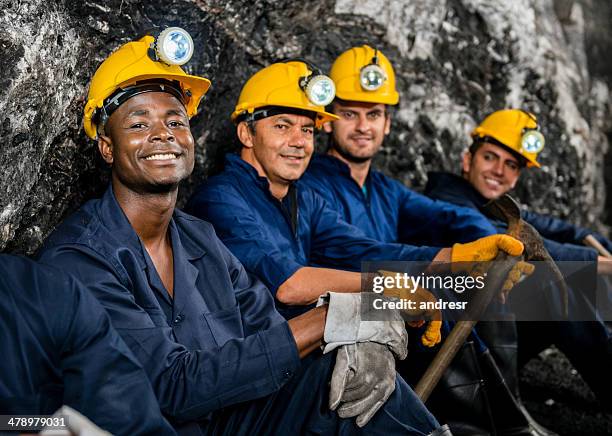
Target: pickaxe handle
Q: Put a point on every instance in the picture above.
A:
(496, 276)
(594, 243)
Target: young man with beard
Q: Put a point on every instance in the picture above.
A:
(220, 358)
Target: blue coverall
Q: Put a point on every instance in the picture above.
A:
(588, 345)
(59, 347)
(388, 211)
(218, 352)
(273, 238)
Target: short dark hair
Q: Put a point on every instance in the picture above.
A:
(480, 141)
(389, 109)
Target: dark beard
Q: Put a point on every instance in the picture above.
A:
(348, 156)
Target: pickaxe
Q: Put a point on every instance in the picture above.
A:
(507, 209)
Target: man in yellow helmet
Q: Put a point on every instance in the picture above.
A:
(220, 358)
(504, 143)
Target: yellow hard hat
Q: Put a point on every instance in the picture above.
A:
(364, 74)
(137, 64)
(296, 85)
(515, 129)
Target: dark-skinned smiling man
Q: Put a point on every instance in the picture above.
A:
(220, 358)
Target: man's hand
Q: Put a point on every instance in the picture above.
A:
(604, 265)
(466, 257)
(343, 325)
(362, 381)
(432, 335)
(483, 250)
(516, 274)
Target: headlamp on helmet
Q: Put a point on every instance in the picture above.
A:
(372, 76)
(532, 141)
(174, 46)
(136, 67)
(318, 87)
(289, 86)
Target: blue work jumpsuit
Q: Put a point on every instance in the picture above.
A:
(59, 347)
(217, 352)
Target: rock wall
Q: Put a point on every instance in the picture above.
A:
(456, 61)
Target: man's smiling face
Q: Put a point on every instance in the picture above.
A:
(361, 129)
(492, 170)
(149, 143)
(282, 146)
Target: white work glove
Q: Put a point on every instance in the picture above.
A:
(343, 324)
(363, 379)
(76, 425)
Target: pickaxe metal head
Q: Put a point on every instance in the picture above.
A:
(507, 209)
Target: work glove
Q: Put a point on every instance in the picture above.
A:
(362, 381)
(518, 272)
(470, 258)
(432, 335)
(343, 325)
(483, 250)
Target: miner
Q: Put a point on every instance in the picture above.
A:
(473, 396)
(503, 145)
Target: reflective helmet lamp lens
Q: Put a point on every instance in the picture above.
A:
(320, 90)
(174, 46)
(532, 141)
(372, 77)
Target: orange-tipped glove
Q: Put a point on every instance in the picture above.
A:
(432, 335)
(483, 250)
(514, 276)
(465, 257)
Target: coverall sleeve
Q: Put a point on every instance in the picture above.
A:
(569, 252)
(240, 230)
(102, 379)
(562, 231)
(188, 384)
(256, 302)
(437, 222)
(336, 243)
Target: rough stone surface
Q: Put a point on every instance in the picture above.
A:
(456, 61)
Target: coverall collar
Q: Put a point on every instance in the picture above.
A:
(332, 163)
(446, 185)
(117, 223)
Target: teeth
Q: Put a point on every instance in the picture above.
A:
(165, 156)
(492, 181)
